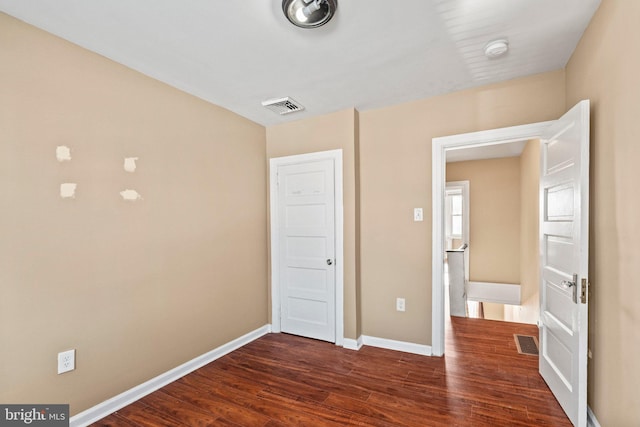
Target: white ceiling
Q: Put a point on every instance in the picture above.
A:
(374, 53)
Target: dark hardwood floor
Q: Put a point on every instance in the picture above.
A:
(284, 380)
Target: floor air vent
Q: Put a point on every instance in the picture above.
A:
(526, 344)
(282, 106)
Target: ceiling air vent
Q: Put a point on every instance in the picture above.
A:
(282, 106)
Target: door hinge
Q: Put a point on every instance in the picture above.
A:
(583, 290)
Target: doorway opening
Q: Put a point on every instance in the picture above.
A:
(563, 221)
(442, 148)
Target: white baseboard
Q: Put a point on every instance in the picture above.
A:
(592, 421)
(350, 344)
(107, 407)
(407, 347)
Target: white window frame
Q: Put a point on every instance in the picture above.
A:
(450, 214)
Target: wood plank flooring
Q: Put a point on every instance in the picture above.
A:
(283, 380)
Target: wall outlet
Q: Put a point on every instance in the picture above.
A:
(400, 304)
(417, 214)
(66, 361)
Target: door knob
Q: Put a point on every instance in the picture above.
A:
(572, 284)
(329, 262)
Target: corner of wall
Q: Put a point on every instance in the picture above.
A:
(356, 138)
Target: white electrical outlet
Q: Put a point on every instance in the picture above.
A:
(399, 304)
(66, 361)
(417, 214)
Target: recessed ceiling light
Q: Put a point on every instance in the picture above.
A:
(309, 13)
(496, 48)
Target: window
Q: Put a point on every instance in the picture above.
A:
(456, 216)
(453, 218)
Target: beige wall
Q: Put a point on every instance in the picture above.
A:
(456, 243)
(529, 309)
(494, 221)
(605, 68)
(329, 132)
(395, 177)
(137, 288)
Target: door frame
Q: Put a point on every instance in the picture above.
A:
(274, 164)
(439, 147)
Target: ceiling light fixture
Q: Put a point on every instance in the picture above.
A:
(309, 13)
(496, 48)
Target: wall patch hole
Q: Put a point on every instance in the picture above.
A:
(130, 195)
(68, 190)
(63, 153)
(130, 164)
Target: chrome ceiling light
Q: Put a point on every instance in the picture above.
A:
(309, 13)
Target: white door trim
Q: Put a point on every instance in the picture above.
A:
(274, 163)
(439, 147)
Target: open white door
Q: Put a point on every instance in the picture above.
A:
(564, 247)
